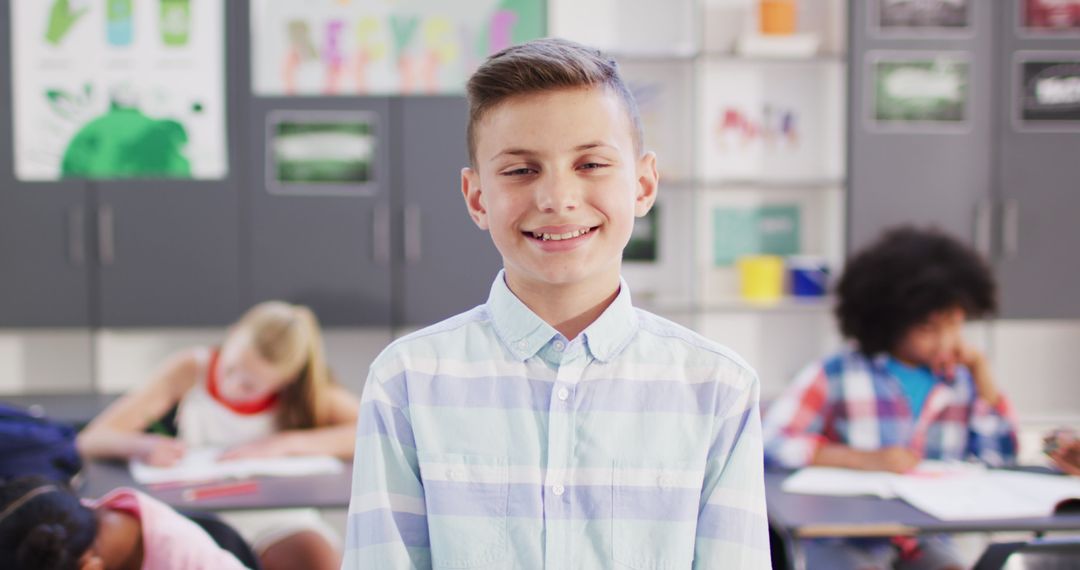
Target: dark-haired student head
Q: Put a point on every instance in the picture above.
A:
(43, 526)
(909, 292)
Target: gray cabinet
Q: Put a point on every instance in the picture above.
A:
(1038, 168)
(1010, 187)
(116, 253)
(447, 262)
(331, 251)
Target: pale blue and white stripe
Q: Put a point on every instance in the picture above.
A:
(490, 440)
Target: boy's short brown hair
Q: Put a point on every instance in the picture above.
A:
(544, 65)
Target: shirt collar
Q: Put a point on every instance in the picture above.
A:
(524, 333)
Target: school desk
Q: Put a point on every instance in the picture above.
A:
(317, 491)
(795, 516)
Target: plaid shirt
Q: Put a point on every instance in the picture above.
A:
(490, 440)
(853, 400)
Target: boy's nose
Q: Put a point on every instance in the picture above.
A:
(557, 194)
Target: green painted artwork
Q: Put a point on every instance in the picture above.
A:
(125, 143)
(62, 18)
(920, 91)
(772, 229)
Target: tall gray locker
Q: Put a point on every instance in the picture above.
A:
(331, 251)
(1011, 189)
(1038, 166)
(447, 263)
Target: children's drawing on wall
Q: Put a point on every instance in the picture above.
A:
(349, 47)
(1050, 92)
(774, 126)
(914, 92)
(1052, 16)
(771, 123)
(644, 241)
(320, 152)
(920, 16)
(119, 89)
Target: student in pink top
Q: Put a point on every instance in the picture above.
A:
(44, 526)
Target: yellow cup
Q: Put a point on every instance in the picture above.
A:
(761, 277)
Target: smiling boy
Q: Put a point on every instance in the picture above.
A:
(556, 426)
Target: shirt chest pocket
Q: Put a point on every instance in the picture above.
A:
(654, 513)
(467, 498)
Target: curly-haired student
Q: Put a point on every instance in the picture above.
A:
(909, 387)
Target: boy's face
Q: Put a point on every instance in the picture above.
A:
(557, 182)
(937, 342)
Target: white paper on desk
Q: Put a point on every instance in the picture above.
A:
(202, 465)
(989, 495)
(839, 482)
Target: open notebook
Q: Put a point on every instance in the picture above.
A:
(952, 492)
(202, 465)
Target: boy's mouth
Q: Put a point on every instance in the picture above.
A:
(547, 236)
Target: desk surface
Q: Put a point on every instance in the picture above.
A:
(74, 409)
(317, 491)
(808, 516)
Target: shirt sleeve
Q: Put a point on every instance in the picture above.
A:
(387, 523)
(795, 423)
(732, 530)
(992, 432)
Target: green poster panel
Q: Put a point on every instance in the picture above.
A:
(771, 229)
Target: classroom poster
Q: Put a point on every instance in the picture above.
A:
(920, 91)
(350, 47)
(771, 229)
(319, 152)
(1052, 15)
(923, 15)
(118, 89)
(643, 244)
(1050, 91)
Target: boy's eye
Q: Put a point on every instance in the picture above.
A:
(592, 166)
(518, 172)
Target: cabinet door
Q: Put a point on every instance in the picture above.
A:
(44, 233)
(324, 246)
(168, 252)
(1039, 171)
(448, 262)
(926, 167)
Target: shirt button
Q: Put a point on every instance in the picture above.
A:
(558, 490)
(522, 345)
(560, 345)
(454, 474)
(666, 481)
(563, 394)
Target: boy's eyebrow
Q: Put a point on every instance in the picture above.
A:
(528, 152)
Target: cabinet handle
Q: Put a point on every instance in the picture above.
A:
(984, 221)
(106, 245)
(77, 236)
(380, 234)
(413, 236)
(1010, 228)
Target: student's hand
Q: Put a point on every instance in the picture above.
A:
(894, 459)
(278, 445)
(1064, 448)
(159, 451)
(976, 362)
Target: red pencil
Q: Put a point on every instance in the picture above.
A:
(224, 490)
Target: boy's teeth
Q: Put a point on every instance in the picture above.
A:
(557, 237)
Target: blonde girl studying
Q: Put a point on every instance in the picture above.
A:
(265, 392)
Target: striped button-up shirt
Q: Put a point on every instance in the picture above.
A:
(853, 400)
(490, 440)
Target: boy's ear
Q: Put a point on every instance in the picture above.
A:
(648, 182)
(474, 198)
